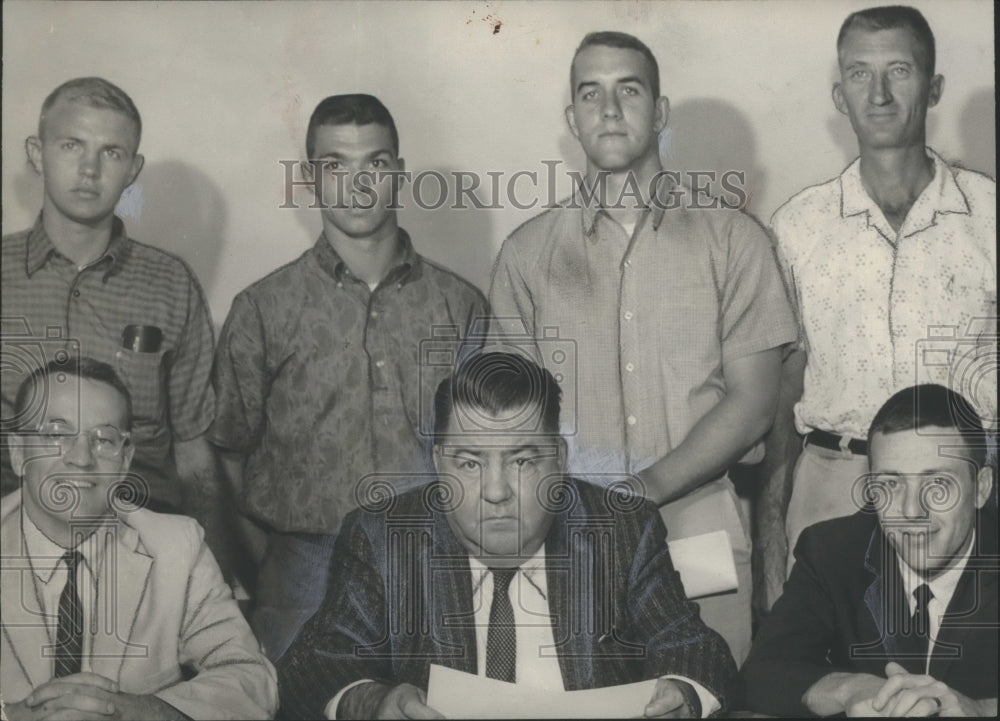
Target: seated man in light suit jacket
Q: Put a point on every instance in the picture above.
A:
(465, 571)
(143, 626)
(892, 611)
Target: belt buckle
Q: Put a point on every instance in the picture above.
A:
(845, 448)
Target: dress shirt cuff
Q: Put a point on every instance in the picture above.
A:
(331, 708)
(709, 704)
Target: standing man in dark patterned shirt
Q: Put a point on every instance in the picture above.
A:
(318, 373)
(77, 282)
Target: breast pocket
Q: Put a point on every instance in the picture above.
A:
(144, 375)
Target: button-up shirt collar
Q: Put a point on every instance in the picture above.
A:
(40, 248)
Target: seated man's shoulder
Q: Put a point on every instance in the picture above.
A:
(166, 535)
(840, 537)
(611, 501)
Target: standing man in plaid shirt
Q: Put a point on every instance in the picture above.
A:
(76, 278)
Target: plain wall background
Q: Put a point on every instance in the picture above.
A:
(226, 89)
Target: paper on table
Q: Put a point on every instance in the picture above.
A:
(462, 695)
(705, 563)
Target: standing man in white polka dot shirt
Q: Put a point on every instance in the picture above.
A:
(892, 266)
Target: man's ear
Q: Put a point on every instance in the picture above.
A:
(662, 113)
(838, 98)
(562, 452)
(33, 149)
(138, 160)
(984, 484)
(571, 121)
(936, 90)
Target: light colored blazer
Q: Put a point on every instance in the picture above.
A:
(162, 605)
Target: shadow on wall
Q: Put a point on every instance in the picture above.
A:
(977, 125)
(176, 207)
(28, 190)
(459, 238)
(708, 135)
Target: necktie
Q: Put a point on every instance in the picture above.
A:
(921, 622)
(69, 633)
(501, 640)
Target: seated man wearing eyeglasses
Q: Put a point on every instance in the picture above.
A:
(109, 610)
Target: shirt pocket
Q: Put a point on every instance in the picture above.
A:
(144, 376)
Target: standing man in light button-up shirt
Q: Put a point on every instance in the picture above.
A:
(675, 309)
(893, 268)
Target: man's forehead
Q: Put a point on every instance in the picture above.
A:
(82, 111)
(861, 42)
(341, 139)
(597, 62)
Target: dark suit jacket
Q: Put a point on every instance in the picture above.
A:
(843, 609)
(400, 599)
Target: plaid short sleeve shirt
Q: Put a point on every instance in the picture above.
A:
(49, 304)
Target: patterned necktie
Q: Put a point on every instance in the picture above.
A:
(921, 621)
(501, 640)
(69, 633)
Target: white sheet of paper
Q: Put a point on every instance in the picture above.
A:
(705, 563)
(463, 695)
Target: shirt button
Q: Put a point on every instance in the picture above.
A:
(379, 363)
(631, 420)
(76, 294)
(374, 314)
(628, 315)
(628, 263)
(629, 367)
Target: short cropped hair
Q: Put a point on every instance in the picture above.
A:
(97, 93)
(350, 109)
(497, 383)
(614, 39)
(927, 405)
(890, 17)
(85, 368)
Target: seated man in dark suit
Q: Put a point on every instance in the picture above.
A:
(893, 611)
(459, 571)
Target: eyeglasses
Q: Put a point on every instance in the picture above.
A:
(105, 442)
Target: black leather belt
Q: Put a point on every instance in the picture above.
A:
(833, 441)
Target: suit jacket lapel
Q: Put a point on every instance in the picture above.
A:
(449, 594)
(888, 609)
(25, 629)
(569, 606)
(966, 614)
(122, 588)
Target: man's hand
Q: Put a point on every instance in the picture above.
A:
(672, 699)
(88, 696)
(842, 692)
(377, 700)
(907, 694)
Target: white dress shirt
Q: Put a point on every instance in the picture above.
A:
(942, 588)
(49, 576)
(537, 660)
